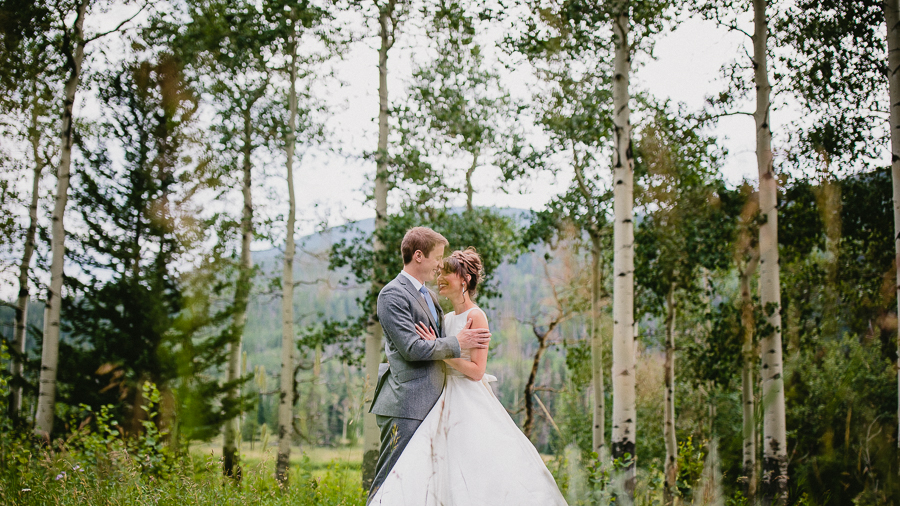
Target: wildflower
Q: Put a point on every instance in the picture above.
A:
(26, 490)
(78, 468)
(60, 476)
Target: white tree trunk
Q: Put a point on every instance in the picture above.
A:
(599, 398)
(230, 456)
(774, 430)
(43, 421)
(371, 434)
(671, 467)
(598, 401)
(286, 394)
(624, 416)
(20, 333)
(892, 20)
(748, 352)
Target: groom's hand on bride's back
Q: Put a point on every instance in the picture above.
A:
(470, 338)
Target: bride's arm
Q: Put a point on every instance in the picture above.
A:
(475, 368)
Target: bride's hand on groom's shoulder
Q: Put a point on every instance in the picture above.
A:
(470, 338)
(426, 333)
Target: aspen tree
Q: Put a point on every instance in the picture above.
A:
(673, 244)
(624, 415)
(73, 49)
(892, 21)
(286, 394)
(774, 478)
(747, 261)
(73, 46)
(748, 398)
(24, 296)
(582, 34)
(671, 465)
(459, 117)
(389, 12)
(576, 114)
(230, 457)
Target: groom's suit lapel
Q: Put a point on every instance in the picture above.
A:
(418, 296)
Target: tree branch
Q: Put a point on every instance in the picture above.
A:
(709, 117)
(120, 25)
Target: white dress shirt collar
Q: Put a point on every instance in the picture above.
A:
(416, 283)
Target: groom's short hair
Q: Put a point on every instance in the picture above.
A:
(420, 239)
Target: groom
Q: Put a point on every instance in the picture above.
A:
(412, 380)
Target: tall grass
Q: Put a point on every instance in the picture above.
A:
(63, 480)
(94, 464)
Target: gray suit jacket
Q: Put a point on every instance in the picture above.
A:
(414, 378)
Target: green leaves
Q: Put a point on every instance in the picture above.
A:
(458, 118)
(834, 53)
(684, 227)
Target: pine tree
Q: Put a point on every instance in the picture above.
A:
(131, 320)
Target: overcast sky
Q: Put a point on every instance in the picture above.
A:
(686, 69)
(331, 188)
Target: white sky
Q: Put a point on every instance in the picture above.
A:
(686, 70)
(330, 188)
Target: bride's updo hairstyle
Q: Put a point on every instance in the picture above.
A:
(467, 265)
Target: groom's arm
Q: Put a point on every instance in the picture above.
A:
(399, 326)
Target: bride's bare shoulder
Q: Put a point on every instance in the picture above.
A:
(479, 318)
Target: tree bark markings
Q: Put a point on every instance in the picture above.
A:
(623, 369)
(774, 430)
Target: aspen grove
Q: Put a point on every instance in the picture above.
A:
(688, 214)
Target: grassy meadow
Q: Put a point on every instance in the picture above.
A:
(319, 476)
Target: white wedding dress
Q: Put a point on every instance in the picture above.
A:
(468, 452)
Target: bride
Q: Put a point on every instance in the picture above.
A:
(467, 451)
